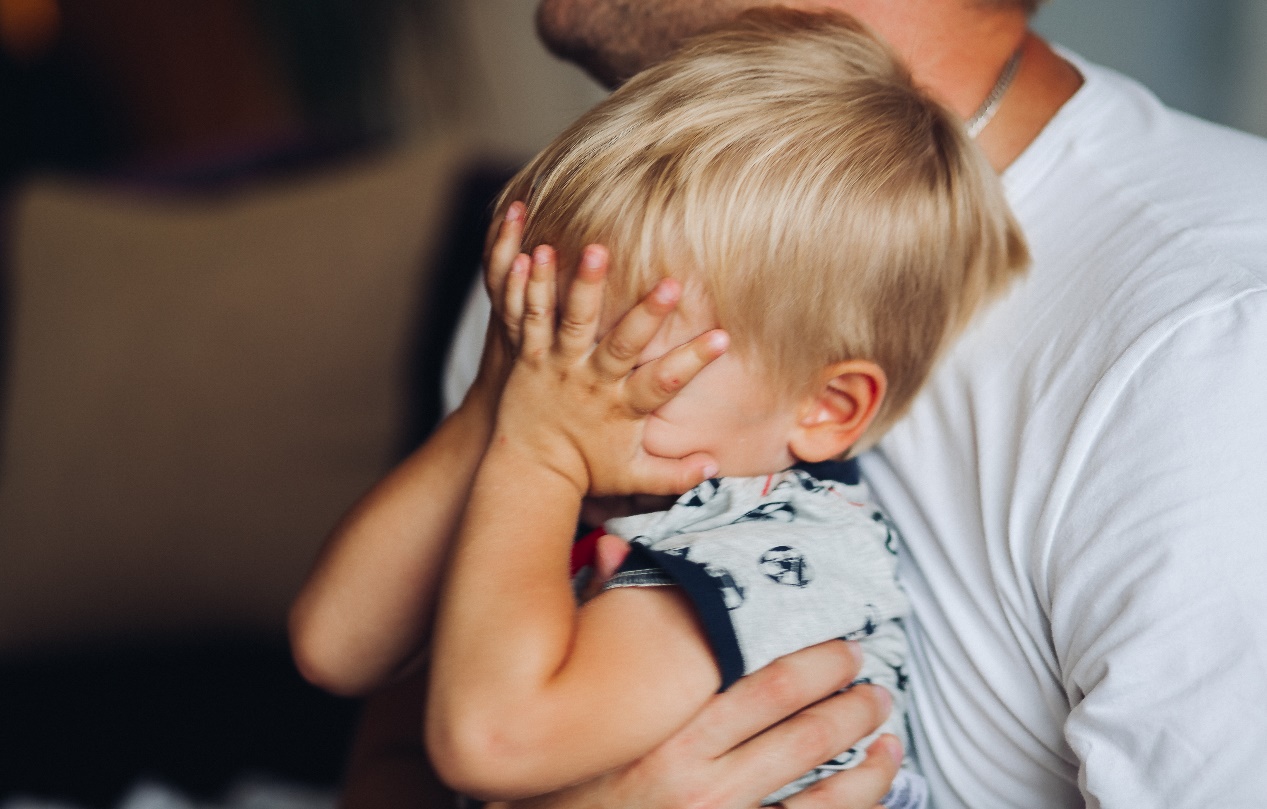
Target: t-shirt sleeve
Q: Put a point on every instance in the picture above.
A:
(1158, 582)
(467, 347)
(764, 590)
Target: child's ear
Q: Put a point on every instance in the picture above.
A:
(836, 413)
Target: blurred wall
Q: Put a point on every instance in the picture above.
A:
(518, 96)
(1249, 81)
(1208, 58)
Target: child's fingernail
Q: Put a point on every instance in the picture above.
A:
(514, 212)
(593, 257)
(710, 471)
(719, 341)
(541, 255)
(520, 265)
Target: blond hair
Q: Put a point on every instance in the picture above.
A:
(830, 209)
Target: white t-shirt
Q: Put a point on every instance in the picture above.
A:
(1083, 485)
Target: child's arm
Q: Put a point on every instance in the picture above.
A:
(528, 691)
(364, 612)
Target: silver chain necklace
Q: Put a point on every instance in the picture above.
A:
(986, 111)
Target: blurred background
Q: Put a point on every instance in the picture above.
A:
(231, 237)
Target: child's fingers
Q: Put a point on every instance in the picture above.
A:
(579, 324)
(609, 552)
(659, 381)
(619, 351)
(514, 290)
(539, 299)
(505, 248)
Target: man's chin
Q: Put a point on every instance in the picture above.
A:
(614, 39)
(577, 30)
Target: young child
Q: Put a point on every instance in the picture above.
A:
(799, 233)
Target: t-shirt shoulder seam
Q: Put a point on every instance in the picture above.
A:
(1138, 363)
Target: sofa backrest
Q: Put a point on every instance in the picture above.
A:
(198, 385)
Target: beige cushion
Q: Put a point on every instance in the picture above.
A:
(198, 387)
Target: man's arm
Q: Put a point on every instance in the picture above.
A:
(1158, 604)
(387, 767)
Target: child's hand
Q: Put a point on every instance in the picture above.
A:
(501, 340)
(579, 407)
(502, 254)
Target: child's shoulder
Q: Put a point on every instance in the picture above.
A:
(772, 563)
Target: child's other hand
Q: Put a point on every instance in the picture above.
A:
(579, 407)
(501, 256)
(609, 553)
(501, 340)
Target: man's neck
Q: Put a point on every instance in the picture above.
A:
(958, 50)
(1043, 83)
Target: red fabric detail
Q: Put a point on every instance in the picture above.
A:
(768, 480)
(585, 549)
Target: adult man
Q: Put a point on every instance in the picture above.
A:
(1079, 486)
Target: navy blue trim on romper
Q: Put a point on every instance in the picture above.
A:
(702, 588)
(847, 472)
(705, 596)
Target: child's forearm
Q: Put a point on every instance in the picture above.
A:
(528, 691)
(365, 611)
(507, 614)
